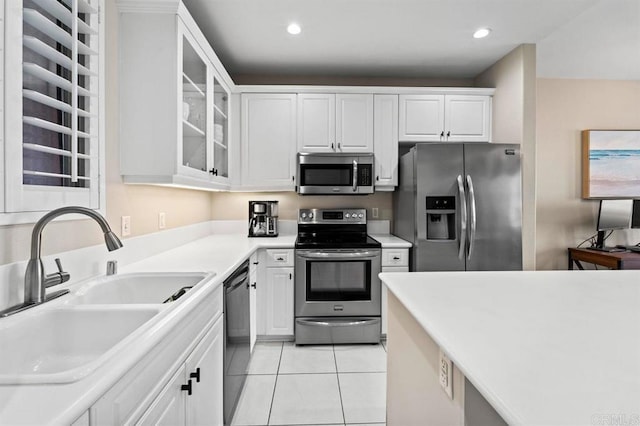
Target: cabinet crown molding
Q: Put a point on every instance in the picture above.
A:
(153, 6)
(378, 90)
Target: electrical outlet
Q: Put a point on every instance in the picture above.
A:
(125, 226)
(162, 220)
(374, 212)
(446, 374)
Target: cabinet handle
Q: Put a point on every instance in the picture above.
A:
(196, 375)
(187, 387)
(279, 259)
(377, 178)
(338, 145)
(290, 276)
(332, 146)
(214, 172)
(254, 285)
(396, 258)
(448, 134)
(442, 134)
(255, 263)
(293, 178)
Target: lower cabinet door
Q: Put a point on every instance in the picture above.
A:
(279, 301)
(204, 368)
(168, 407)
(383, 294)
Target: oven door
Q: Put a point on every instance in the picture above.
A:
(337, 282)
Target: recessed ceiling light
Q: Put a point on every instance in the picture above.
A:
(481, 33)
(294, 29)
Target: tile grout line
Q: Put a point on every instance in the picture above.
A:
(273, 395)
(335, 360)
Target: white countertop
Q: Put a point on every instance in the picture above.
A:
(543, 348)
(63, 403)
(391, 241)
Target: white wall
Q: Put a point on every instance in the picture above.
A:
(565, 107)
(514, 78)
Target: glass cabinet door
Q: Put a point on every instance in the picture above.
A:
(194, 108)
(220, 130)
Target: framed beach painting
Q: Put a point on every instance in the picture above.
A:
(611, 164)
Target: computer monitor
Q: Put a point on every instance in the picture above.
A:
(635, 217)
(613, 214)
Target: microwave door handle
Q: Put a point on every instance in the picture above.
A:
(355, 175)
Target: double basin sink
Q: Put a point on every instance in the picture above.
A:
(64, 340)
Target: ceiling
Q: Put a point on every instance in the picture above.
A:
(421, 38)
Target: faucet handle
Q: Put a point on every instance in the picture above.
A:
(57, 277)
(112, 267)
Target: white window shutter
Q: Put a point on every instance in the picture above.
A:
(53, 131)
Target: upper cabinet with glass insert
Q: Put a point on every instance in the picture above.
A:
(174, 100)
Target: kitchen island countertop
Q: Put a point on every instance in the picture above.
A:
(543, 348)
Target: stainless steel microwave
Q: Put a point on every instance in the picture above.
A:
(335, 173)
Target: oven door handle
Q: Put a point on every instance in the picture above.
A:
(337, 323)
(338, 255)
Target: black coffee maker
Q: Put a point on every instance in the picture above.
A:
(263, 218)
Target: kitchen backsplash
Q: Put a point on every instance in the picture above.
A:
(235, 205)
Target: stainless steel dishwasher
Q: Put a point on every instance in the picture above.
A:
(237, 351)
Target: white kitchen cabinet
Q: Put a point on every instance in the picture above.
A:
(445, 118)
(168, 409)
(268, 135)
(205, 404)
(253, 293)
(275, 292)
(149, 392)
(467, 118)
(174, 103)
(385, 141)
(393, 260)
(193, 396)
(335, 122)
(279, 301)
(83, 420)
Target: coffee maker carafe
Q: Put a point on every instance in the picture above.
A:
(263, 218)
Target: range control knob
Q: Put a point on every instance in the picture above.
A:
(304, 215)
(347, 215)
(310, 215)
(361, 216)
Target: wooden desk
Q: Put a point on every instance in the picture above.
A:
(615, 260)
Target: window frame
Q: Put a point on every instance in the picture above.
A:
(11, 129)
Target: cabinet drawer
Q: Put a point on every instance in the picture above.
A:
(279, 258)
(395, 257)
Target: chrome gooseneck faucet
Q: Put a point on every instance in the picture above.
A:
(35, 280)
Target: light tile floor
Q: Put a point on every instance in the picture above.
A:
(314, 385)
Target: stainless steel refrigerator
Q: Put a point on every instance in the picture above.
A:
(461, 206)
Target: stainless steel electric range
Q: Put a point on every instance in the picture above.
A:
(337, 289)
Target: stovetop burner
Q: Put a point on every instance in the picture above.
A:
(334, 228)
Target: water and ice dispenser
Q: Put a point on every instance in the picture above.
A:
(441, 218)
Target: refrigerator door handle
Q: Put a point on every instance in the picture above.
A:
(472, 215)
(463, 217)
